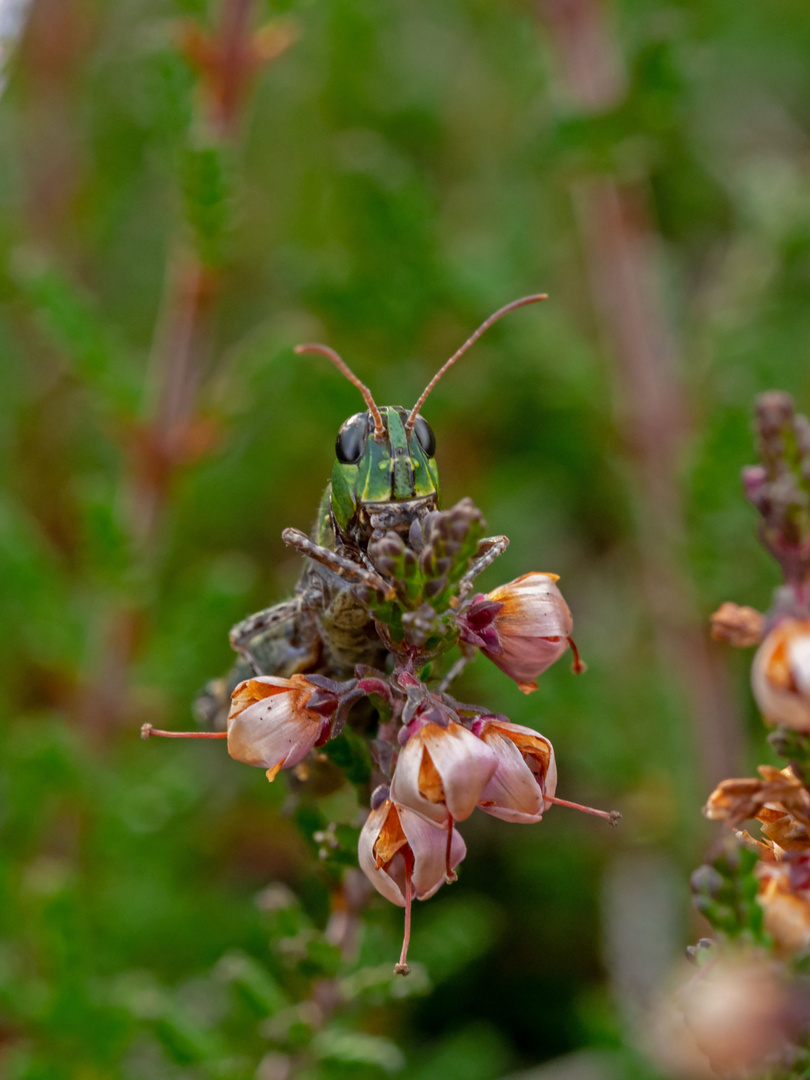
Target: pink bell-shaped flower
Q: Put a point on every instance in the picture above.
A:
(396, 844)
(780, 674)
(269, 724)
(404, 857)
(524, 783)
(532, 627)
(441, 772)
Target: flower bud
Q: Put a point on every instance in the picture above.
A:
(533, 628)
(525, 780)
(397, 845)
(441, 772)
(780, 674)
(269, 724)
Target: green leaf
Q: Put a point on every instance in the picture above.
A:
(74, 325)
(253, 982)
(354, 1048)
(206, 192)
(350, 752)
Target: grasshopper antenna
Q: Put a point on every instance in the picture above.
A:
(344, 369)
(524, 300)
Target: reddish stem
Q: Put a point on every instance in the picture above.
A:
(147, 731)
(579, 664)
(613, 816)
(449, 873)
(403, 967)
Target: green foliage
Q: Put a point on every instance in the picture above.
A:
(426, 583)
(725, 891)
(206, 196)
(350, 753)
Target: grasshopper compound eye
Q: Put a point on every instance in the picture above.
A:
(424, 436)
(351, 439)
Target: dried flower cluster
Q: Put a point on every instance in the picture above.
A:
(436, 759)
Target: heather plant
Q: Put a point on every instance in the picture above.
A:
(391, 576)
(188, 189)
(749, 1007)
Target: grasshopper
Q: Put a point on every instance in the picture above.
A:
(385, 591)
(384, 479)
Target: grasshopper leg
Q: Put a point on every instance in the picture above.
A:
(488, 551)
(261, 622)
(338, 564)
(279, 640)
(467, 655)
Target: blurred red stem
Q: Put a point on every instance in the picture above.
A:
(235, 63)
(621, 251)
(189, 294)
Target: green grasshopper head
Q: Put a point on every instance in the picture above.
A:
(385, 456)
(396, 466)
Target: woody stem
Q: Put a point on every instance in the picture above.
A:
(147, 731)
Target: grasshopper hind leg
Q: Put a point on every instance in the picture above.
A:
(282, 640)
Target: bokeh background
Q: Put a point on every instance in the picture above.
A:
(187, 190)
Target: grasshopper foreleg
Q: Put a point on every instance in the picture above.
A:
(488, 551)
(338, 564)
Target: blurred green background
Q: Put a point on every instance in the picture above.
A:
(175, 215)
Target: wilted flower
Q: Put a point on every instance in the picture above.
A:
(773, 793)
(269, 724)
(785, 898)
(441, 772)
(523, 784)
(740, 626)
(397, 845)
(780, 675)
(523, 627)
(404, 856)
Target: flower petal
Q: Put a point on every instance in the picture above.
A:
(537, 755)
(533, 628)
(394, 836)
(391, 887)
(512, 794)
(274, 732)
(429, 847)
(252, 690)
(405, 787)
(464, 763)
(780, 674)
(534, 606)
(442, 770)
(524, 659)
